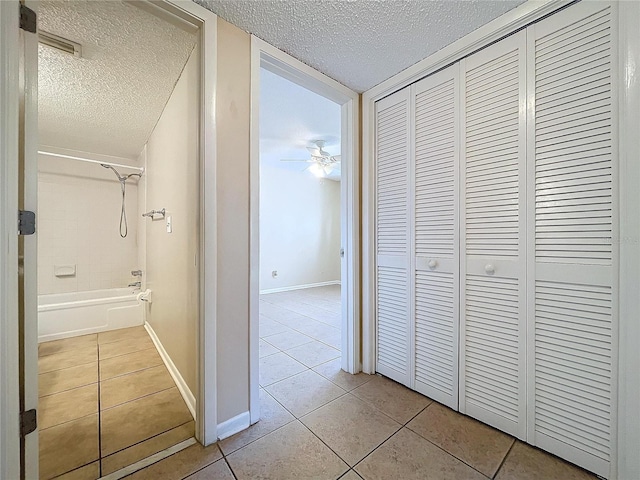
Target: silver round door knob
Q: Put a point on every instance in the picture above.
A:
(489, 269)
(432, 264)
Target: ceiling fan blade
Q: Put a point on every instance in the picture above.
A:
(336, 158)
(315, 151)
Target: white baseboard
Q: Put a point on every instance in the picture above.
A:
(234, 425)
(299, 287)
(189, 399)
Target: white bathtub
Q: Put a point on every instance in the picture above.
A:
(63, 315)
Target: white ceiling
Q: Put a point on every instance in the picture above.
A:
(360, 43)
(291, 117)
(109, 100)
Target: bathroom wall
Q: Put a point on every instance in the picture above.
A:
(78, 224)
(299, 228)
(171, 181)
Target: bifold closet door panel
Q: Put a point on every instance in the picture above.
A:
(393, 282)
(573, 258)
(493, 230)
(436, 243)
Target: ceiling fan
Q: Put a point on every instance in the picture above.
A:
(322, 162)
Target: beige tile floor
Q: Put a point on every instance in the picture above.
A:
(106, 401)
(318, 422)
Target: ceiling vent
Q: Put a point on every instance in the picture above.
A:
(59, 43)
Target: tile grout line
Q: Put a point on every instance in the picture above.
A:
(308, 413)
(394, 433)
(66, 390)
(438, 446)
(301, 314)
(99, 413)
(349, 467)
(86, 363)
(142, 441)
(505, 458)
(226, 460)
(224, 457)
(138, 398)
(133, 371)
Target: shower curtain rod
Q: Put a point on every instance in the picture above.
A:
(89, 160)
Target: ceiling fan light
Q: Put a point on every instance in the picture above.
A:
(317, 170)
(328, 169)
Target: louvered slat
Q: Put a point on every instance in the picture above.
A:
(434, 169)
(584, 422)
(492, 363)
(392, 319)
(392, 184)
(565, 187)
(435, 332)
(392, 236)
(491, 160)
(573, 219)
(436, 119)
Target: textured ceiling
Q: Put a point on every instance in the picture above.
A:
(360, 43)
(291, 117)
(109, 100)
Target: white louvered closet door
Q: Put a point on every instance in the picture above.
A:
(393, 282)
(436, 243)
(493, 271)
(573, 261)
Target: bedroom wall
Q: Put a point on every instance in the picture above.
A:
(299, 229)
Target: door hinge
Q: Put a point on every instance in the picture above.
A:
(28, 19)
(28, 422)
(26, 222)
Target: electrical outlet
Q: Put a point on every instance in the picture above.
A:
(274, 273)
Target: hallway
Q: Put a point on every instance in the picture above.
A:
(319, 422)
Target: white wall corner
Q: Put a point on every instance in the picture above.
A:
(184, 390)
(234, 425)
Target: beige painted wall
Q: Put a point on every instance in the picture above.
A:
(233, 107)
(171, 181)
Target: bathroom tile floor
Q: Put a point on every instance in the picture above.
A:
(106, 401)
(318, 422)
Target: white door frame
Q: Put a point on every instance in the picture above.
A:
(9, 368)
(628, 464)
(268, 57)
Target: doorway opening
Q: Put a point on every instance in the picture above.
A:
(118, 236)
(300, 235)
(339, 151)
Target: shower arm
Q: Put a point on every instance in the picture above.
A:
(152, 213)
